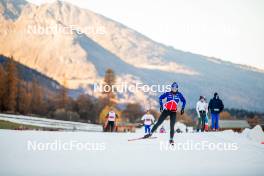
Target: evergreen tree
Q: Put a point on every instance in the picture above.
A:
(109, 82)
(64, 99)
(37, 103)
(133, 112)
(24, 99)
(2, 87)
(11, 86)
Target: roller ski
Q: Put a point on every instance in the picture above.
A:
(171, 141)
(147, 136)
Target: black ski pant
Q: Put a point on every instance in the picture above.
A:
(110, 126)
(162, 117)
(203, 116)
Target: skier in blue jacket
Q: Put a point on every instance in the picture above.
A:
(169, 108)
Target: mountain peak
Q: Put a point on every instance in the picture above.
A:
(11, 9)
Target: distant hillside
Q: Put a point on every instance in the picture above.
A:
(28, 74)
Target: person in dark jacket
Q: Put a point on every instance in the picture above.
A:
(215, 106)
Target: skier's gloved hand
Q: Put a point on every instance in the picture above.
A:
(182, 111)
(161, 108)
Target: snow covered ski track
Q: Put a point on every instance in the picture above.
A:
(112, 154)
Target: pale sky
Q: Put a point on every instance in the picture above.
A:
(232, 30)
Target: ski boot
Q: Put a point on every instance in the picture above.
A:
(171, 141)
(147, 135)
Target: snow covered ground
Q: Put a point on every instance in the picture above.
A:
(27, 153)
(50, 123)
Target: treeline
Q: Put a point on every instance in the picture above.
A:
(19, 96)
(253, 118)
(30, 97)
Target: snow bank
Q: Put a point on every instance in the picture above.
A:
(166, 125)
(50, 123)
(256, 134)
(182, 127)
(178, 125)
